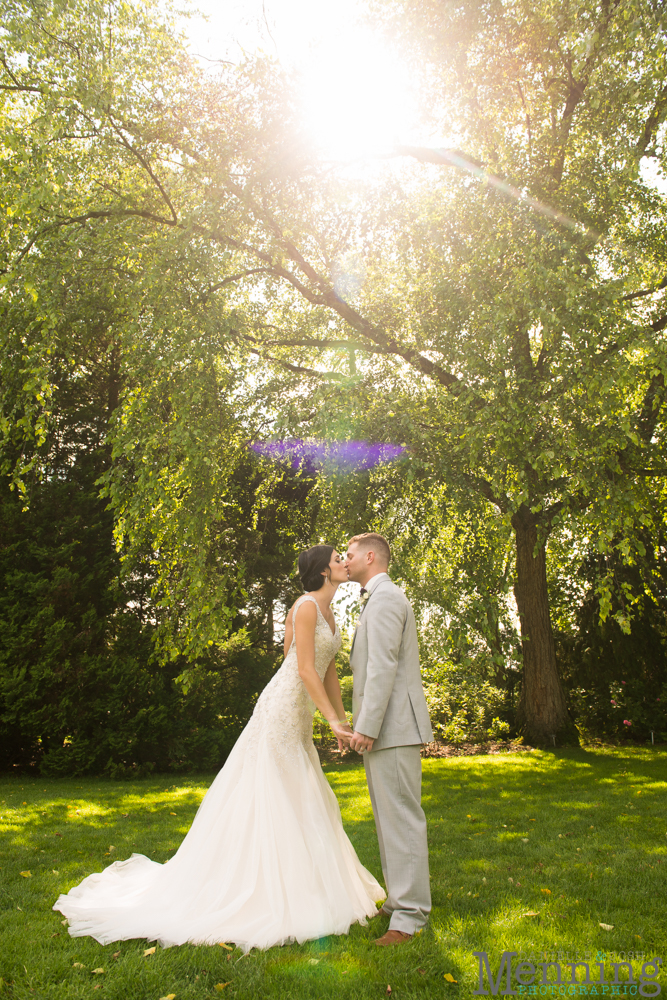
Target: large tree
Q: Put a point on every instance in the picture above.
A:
(509, 327)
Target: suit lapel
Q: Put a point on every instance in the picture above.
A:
(361, 613)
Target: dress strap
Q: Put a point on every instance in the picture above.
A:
(304, 597)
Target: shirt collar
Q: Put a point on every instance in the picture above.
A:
(374, 581)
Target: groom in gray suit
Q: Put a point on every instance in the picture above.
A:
(390, 724)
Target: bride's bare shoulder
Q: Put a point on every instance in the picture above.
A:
(288, 616)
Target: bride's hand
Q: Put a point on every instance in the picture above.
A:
(343, 733)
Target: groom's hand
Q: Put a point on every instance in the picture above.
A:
(360, 743)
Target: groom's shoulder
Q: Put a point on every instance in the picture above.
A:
(391, 589)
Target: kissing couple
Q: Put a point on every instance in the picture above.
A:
(266, 860)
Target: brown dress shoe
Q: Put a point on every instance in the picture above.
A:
(393, 937)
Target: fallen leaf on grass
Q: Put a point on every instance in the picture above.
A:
(57, 834)
(227, 946)
(26, 874)
(313, 961)
(524, 840)
(172, 814)
(98, 972)
(547, 892)
(450, 978)
(78, 965)
(115, 954)
(530, 913)
(220, 986)
(64, 922)
(55, 872)
(607, 927)
(169, 996)
(422, 972)
(125, 815)
(57, 934)
(149, 951)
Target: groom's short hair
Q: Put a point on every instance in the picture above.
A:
(370, 540)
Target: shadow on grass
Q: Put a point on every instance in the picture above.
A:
(529, 853)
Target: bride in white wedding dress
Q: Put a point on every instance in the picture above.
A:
(266, 860)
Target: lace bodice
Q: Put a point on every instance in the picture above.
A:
(327, 643)
(284, 710)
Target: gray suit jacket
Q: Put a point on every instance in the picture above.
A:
(388, 698)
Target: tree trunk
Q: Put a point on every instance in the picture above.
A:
(542, 712)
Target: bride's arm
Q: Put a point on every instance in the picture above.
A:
(306, 620)
(332, 688)
(288, 632)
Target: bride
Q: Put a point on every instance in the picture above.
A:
(266, 860)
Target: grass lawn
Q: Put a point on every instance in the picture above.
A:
(575, 837)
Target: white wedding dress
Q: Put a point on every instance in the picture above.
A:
(266, 860)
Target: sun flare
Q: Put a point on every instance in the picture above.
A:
(356, 96)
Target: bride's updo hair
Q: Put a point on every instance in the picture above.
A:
(312, 563)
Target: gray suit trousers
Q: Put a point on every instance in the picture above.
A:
(394, 780)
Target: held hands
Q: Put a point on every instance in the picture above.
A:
(347, 738)
(343, 733)
(361, 743)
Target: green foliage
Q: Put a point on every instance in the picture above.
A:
(618, 677)
(81, 690)
(464, 706)
(171, 229)
(85, 686)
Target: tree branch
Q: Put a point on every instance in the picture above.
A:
(122, 213)
(285, 364)
(147, 167)
(26, 89)
(204, 297)
(348, 344)
(578, 87)
(484, 487)
(327, 296)
(653, 399)
(17, 85)
(656, 118)
(644, 292)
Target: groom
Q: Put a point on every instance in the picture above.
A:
(390, 724)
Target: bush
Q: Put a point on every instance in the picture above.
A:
(616, 679)
(80, 690)
(464, 707)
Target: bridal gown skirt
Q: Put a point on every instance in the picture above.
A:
(266, 860)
